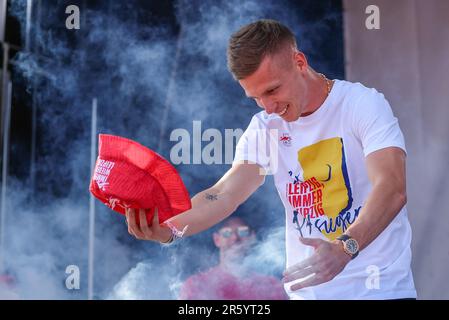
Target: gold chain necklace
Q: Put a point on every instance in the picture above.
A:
(328, 83)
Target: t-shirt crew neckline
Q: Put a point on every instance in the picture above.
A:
(322, 109)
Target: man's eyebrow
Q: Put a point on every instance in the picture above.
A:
(275, 86)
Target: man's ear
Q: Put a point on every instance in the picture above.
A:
(300, 60)
(217, 239)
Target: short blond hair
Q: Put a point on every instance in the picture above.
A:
(251, 43)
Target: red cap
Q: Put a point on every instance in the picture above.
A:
(129, 175)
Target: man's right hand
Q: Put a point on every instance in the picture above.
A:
(155, 232)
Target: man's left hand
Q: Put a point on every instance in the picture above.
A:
(328, 260)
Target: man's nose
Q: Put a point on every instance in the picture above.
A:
(269, 105)
(235, 237)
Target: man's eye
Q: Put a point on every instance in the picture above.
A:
(272, 91)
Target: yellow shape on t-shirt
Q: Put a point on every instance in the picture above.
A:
(325, 161)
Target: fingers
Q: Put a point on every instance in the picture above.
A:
(304, 269)
(127, 215)
(325, 263)
(156, 218)
(302, 273)
(313, 242)
(133, 228)
(142, 230)
(312, 281)
(144, 225)
(164, 232)
(306, 263)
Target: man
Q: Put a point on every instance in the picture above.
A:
(234, 278)
(339, 169)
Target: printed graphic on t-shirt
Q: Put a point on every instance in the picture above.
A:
(321, 194)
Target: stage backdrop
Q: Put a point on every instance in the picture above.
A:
(406, 59)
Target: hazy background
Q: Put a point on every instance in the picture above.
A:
(157, 66)
(153, 67)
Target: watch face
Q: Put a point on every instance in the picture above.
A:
(352, 246)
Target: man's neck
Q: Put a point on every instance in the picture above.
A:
(317, 92)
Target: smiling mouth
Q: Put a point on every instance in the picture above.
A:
(284, 111)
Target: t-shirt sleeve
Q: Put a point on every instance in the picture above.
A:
(374, 123)
(256, 145)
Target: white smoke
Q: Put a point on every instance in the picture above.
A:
(128, 67)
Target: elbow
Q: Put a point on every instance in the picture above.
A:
(396, 195)
(395, 191)
(402, 199)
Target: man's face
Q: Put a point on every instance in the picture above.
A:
(278, 85)
(234, 238)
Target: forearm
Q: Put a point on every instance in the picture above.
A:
(209, 207)
(381, 207)
(212, 205)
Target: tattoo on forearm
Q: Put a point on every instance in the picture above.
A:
(211, 197)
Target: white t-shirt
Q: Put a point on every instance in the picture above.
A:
(318, 164)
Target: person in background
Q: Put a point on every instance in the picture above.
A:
(232, 279)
